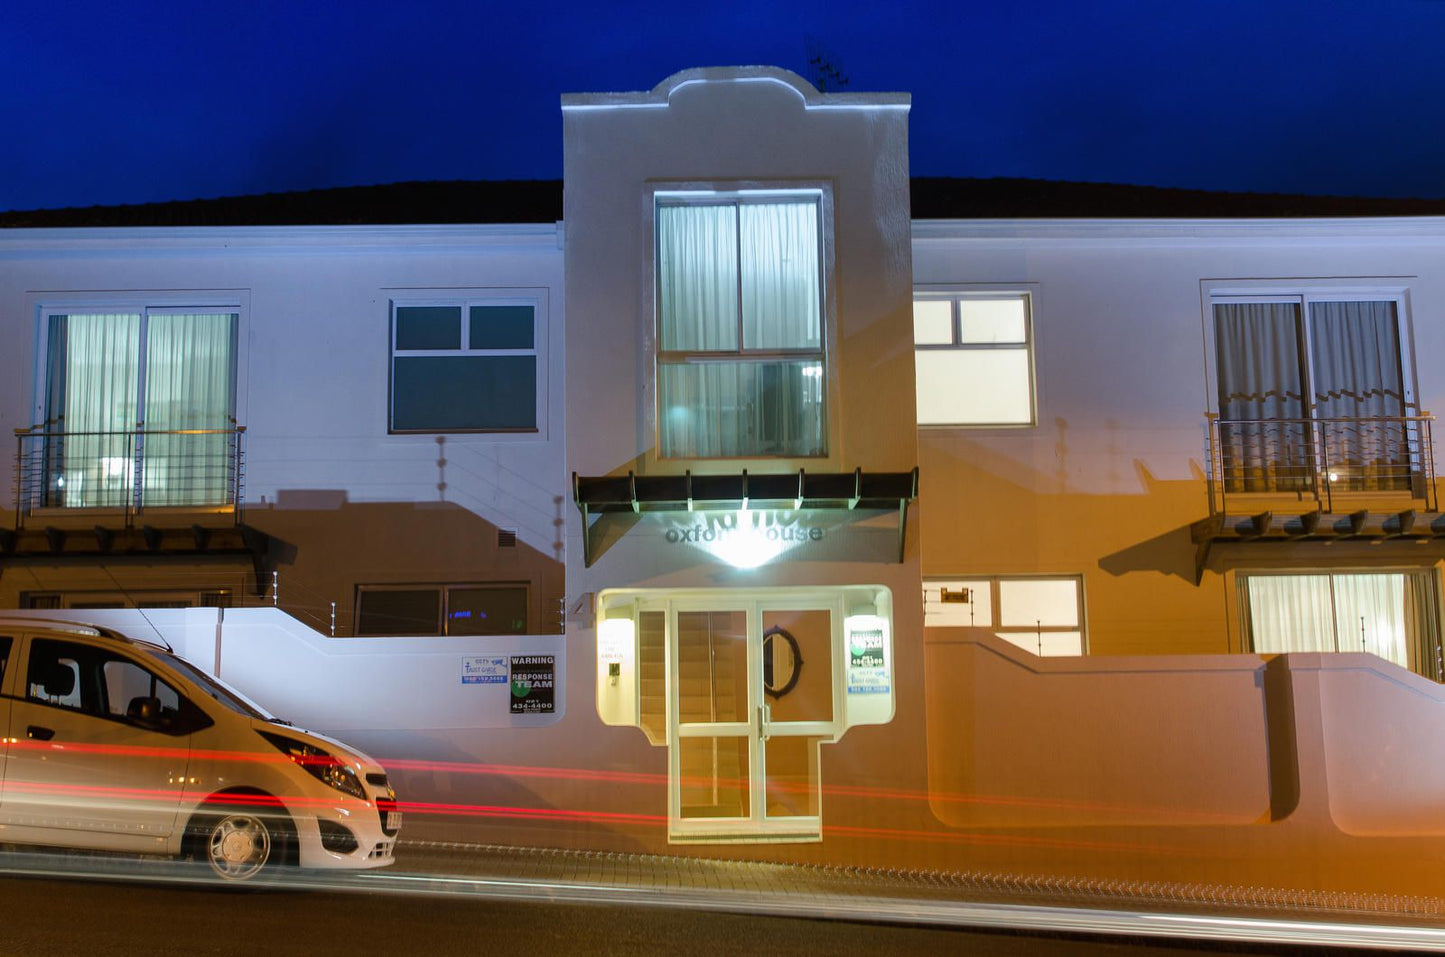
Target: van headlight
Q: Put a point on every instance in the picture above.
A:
(320, 764)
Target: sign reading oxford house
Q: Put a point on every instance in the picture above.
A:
(751, 537)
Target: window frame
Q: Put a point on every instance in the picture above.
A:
(146, 303)
(1303, 294)
(736, 195)
(1240, 609)
(933, 583)
(955, 294)
(463, 301)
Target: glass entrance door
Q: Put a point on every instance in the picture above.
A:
(751, 695)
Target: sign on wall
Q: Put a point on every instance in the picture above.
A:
(484, 670)
(867, 667)
(533, 683)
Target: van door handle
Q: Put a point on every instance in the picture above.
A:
(38, 733)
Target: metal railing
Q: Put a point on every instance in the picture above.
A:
(128, 471)
(1319, 458)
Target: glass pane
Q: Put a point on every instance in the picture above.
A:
(697, 278)
(1355, 361)
(442, 393)
(189, 384)
(1048, 644)
(992, 320)
(781, 273)
(974, 387)
(1370, 611)
(400, 611)
(501, 327)
(1043, 601)
(93, 394)
(731, 409)
(714, 778)
(808, 667)
(1290, 613)
(792, 776)
(712, 667)
(428, 327)
(487, 611)
(932, 322)
(651, 673)
(968, 603)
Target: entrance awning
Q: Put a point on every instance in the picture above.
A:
(596, 495)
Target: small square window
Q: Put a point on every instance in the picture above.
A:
(973, 359)
(464, 367)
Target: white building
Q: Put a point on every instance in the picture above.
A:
(749, 409)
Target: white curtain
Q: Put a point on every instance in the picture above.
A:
(1355, 358)
(94, 369)
(781, 275)
(1339, 612)
(1257, 356)
(733, 279)
(1291, 613)
(188, 385)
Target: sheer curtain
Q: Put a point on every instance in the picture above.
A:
(1355, 354)
(1366, 612)
(734, 280)
(1257, 355)
(1290, 613)
(94, 368)
(188, 385)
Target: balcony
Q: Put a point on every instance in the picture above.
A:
(143, 493)
(1363, 480)
(1322, 464)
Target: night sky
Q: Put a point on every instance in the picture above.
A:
(110, 102)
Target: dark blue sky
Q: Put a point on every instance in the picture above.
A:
(116, 103)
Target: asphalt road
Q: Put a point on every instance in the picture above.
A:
(43, 916)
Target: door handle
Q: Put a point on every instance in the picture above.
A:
(38, 733)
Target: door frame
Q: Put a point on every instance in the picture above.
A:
(756, 826)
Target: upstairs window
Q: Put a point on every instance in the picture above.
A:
(139, 396)
(740, 364)
(973, 358)
(464, 366)
(1312, 389)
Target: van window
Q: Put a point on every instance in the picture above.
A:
(125, 681)
(5, 644)
(54, 675)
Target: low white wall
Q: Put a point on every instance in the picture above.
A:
(340, 684)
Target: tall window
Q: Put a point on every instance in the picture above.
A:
(464, 366)
(147, 389)
(1044, 616)
(1310, 388)
(740, 364)
(1394, 615)
(973, 359)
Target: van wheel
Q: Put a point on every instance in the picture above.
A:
(239, 845)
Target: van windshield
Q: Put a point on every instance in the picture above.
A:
(218, 689)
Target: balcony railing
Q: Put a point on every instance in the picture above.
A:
(128, 472)
(1318, 459)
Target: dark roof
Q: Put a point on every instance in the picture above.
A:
(540, 201)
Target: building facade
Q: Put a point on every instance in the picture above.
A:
(747, 512)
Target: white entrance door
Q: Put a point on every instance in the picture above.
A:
(751, 696)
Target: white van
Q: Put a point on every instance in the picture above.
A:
(117, 744)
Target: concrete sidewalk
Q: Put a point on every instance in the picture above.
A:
(603, 869)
